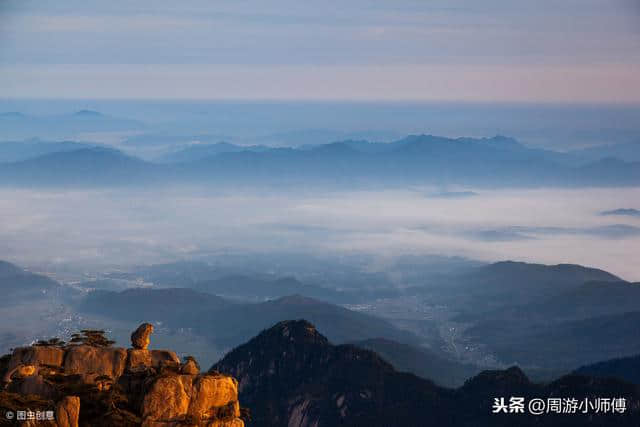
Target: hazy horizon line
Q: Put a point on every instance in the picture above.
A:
(405, 101)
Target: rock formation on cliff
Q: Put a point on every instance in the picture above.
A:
(91, 383)
(140, 338)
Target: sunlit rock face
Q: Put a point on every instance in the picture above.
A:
(143, 359)
(91, 362)
(68, 412)
(202, 398)
(37, 355)
(119, 386)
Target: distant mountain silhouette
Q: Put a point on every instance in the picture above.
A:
(18, 285)
(622, 212)
(596, 317)
(591, 299)
(196, 152)
(629, 151)
(138, 304)
(609, 171)
(418, 159)
(171, 141)
(420, 361)
(228, 324)
(546, 318)
(245, 287)
(238, 323)
(509, 283)
(229, 283)
(562, 344)
(538, 316)
(12, 151)
(92, 166)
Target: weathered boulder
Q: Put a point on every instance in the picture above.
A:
(202, 397)
(140, 337)
(190, 367)
(137, 359)
(163, 358)
(32, 385)
(36, 355)
(168, 398)
(68, 411)
(91, 362)
(211, 391)
(144, 359)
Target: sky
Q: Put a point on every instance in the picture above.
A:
(571, 51)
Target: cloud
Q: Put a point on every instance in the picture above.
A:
(107, 228)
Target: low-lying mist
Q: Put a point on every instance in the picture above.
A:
(98, 229)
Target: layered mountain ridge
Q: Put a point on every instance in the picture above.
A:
(415, 159)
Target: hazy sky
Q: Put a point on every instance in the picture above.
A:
(491, 50)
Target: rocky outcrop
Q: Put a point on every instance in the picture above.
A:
(138, 359)
(190, 367)
(140, 337)
(91, 362)
(37, 355)
(201, 398)
(144, 359)
(32, 384)
(123, 386)
(68, 412)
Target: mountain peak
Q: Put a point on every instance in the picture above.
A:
(297, 328)
(300, 331)
(512, 379)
